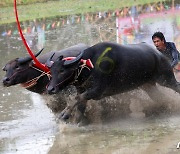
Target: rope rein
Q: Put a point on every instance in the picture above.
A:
(43, 73)
(33, 81)
(79, 71)
(76, 74)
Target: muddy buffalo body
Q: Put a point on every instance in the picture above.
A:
(22, 71)
(111, 69)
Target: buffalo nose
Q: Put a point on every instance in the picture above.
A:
(51, 90)
(5, 80)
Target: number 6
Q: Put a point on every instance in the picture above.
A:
(103, 58)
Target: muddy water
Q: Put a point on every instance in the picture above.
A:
(28, 126)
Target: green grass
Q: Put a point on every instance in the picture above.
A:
(5, 3)
(63, 8)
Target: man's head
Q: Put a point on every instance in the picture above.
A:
(159, 41)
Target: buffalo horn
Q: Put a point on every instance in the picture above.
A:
(77, 59)
(29, 58)
(49, 62)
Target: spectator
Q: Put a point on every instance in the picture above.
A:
(166, 48)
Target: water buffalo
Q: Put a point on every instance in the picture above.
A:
(21, 70)
(111, 69)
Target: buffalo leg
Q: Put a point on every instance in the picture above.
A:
(154, 93)
(167, 77)
(160, 100)
(80, 105)
(168, 80)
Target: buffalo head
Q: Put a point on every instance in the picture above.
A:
(63, 73)
(17, 70)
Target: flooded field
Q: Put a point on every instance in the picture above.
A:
(135, 123)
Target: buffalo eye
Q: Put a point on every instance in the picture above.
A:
(17, 66)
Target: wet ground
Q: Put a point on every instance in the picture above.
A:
(28, 126)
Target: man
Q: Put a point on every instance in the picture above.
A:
(166, 48)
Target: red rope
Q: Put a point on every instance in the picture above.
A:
(37, 63)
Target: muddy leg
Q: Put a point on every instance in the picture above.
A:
(93, 93)
(160, 100)
(75, 111)
(169, 81)
(167, 77)
(154, 93)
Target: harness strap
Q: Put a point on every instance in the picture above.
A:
(76, 74)
(44, 73)
(33, 81)
(87, 62)
(79, 72)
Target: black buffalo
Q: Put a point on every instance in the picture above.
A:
(114, 69)
(22, 71)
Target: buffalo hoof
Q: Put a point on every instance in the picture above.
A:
(65, 114)
(74, 115)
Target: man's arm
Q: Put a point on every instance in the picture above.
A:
(175, 55)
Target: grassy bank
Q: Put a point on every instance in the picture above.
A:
(5, 3)
(62, 8)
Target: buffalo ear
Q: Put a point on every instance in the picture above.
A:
(31, 64)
